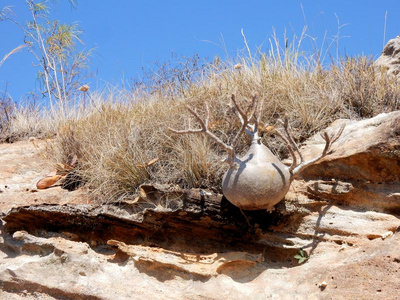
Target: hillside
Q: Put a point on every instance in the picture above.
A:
(123, 198)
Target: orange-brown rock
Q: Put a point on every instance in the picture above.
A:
(344, 213)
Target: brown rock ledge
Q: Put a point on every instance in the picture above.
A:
(345, 212)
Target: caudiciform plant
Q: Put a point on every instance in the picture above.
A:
(258, 180)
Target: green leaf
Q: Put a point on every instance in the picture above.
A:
(40, 7)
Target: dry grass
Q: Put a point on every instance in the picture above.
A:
(115, 139)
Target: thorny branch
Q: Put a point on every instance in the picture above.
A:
(253, 112)
(296, 168)
(204, 129)
(244, 118)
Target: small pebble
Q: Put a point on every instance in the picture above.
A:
(323, 285)
(386, 234)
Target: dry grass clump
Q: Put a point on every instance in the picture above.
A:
(122, 145)
(20, 122)
(6, 111)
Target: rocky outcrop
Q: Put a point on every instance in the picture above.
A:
(344, 212)
(363, 170)
(368, 150)
(389, 61)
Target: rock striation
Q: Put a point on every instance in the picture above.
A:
(193, 244)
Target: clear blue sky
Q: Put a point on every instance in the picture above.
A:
(131, 34)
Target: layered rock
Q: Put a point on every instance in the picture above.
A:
(367, 151)
(344, 212)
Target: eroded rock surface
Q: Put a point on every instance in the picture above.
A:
(22, 165)
(389, 60)
(344, 212)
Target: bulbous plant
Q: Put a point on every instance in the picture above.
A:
(258, 180)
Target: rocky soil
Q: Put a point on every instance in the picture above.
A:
(180, 244)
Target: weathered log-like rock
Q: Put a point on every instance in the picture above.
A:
(196, 216)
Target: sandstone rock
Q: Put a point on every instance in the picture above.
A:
(44, 246)
(22, 165)
(364, 169)
(389, 61)
(195, 264)
(368, 151)
(349, 274)
(344, 212)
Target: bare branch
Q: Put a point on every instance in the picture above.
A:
(290, 138)
(338, 134)
(329, 140)
(204, 129)
(238, 110)
(244, 117)
(291, 151)
(199, 119)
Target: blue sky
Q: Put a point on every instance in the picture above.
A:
(130, 34)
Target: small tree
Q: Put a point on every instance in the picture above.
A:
(54, 46)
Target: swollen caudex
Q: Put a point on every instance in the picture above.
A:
(258, 180)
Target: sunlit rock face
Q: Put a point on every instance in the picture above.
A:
(389, 60)
(344, 212)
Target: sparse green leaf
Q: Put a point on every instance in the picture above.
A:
(40, 7)
(302, 256)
